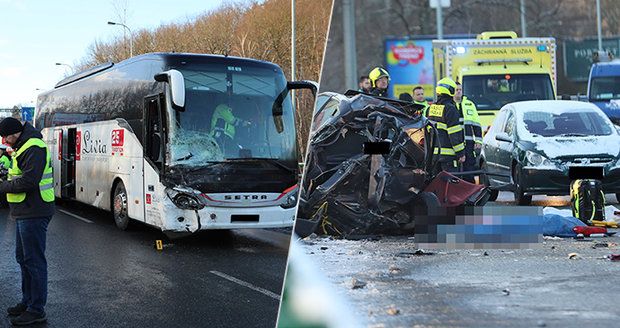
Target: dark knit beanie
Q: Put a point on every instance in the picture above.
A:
(10, 126)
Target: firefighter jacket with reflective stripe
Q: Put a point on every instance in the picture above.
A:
(450, 132)
(470, 121)
(46, 183)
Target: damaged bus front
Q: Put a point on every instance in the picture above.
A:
(214, 138)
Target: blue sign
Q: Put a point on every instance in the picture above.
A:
(27, 114)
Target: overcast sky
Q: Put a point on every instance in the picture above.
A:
(36, 34)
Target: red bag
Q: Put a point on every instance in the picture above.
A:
(452, 191)
(587, 231)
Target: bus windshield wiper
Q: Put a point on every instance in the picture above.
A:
(190, 155)
(274, 161)
(572, 135)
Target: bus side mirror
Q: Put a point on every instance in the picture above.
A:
(305, 84)
(276, 110)
(177, 87)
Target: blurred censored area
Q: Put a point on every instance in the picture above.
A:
(471, 227)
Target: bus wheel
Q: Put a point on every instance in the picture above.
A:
(119, 206)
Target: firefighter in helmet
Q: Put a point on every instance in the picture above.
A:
(379, 81)
(445, 115)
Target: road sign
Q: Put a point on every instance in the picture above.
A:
(27, 114)
(578, 56)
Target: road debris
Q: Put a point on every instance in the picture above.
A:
(574, 256)
(393, 269)
(416, 253)
(600, 245)
(355, 283)
(392, 310)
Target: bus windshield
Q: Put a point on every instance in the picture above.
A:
(228, 116)
(494, 91)
(605, 88)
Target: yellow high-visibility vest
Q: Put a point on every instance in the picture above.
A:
(46, 185)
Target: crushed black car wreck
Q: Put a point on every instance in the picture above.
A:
(368, 169)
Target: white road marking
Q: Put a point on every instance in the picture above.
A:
(247, 284)
(75, 216)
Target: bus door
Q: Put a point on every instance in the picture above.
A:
(67, 162)
(153, 131)
(153, 148)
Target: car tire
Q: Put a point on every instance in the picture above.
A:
(618, 197)
(520, 197)
(484, 179)
(119, 206)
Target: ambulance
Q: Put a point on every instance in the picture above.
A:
(498, 68)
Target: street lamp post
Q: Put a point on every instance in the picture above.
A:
(63, 64)
(598, 25)
(130, 36)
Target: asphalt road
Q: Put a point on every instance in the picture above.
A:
(539, 287)
(100, 276)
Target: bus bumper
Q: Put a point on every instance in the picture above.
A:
(209, 218)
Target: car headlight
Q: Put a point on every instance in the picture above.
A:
(537, 159)
(184, 200)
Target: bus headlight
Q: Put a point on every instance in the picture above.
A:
(291, 200)
(184, 200)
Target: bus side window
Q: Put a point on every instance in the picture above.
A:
(153, 131)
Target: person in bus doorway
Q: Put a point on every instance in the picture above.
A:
(30, 193)
(472, 129)
(445, 115)
(379, 81)
(224, 126)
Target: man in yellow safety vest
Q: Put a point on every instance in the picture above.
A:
(472, 129)
(30, 193)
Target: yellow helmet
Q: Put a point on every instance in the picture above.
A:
(377, 73)
(446, 86)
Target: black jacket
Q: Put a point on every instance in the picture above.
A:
(32, 164)
(379, 92)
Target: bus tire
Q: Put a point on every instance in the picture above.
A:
(119, 206)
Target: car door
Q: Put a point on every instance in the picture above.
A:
(491, 145)
(505, 148)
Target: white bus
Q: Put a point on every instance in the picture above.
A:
(139, 138)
